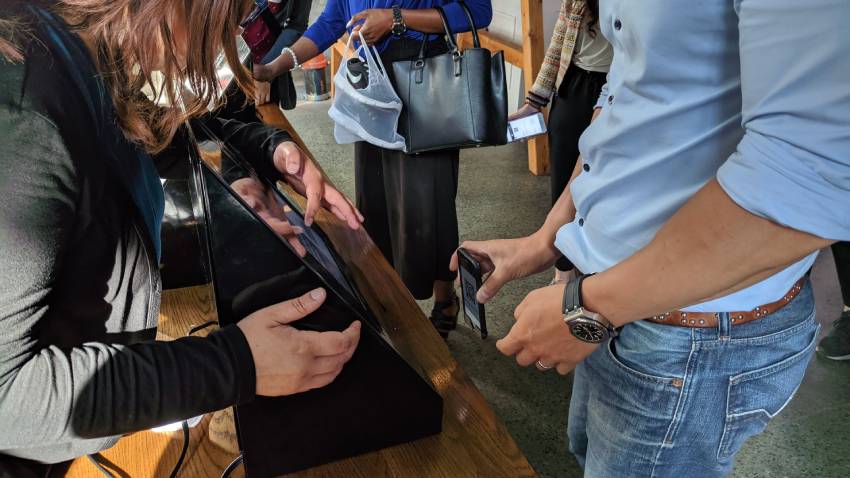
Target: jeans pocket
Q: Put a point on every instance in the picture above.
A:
(755, 397)
(630, 370)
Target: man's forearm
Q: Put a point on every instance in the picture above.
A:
(564, 210)
(709, 248)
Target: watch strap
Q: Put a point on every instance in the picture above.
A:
(572, 294)
(399, 27)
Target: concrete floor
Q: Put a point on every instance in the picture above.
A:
(498, 198)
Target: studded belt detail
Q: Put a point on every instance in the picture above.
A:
(709, 319)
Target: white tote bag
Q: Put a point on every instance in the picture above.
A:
(369, 114)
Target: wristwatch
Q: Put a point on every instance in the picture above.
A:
(399, 27)
(585, 325)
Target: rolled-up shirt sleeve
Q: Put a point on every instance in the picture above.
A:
(793, 164)
(603, 96)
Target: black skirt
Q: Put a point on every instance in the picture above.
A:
(409, 201)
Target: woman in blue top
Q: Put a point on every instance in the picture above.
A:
(408, 202)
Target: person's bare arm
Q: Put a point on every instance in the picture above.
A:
(303, 48)
(374, 25)
(732, 250)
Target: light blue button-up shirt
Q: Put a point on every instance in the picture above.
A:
(753, 92)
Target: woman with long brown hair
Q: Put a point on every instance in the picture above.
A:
(79, 229)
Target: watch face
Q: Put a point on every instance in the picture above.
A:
(588, 330)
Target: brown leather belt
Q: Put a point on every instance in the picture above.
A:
(709, 319)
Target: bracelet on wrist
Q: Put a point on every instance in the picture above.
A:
(295, 64)
(533, 102)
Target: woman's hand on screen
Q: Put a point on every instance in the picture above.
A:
(288, 360)
(305, 177)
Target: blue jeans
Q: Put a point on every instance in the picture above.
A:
(662, 401)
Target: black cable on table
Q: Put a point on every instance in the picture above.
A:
(231, 467)
(180, 460)
(93, 458)
(185, 423)
(203, 326)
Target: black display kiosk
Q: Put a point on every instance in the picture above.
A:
(377, 401)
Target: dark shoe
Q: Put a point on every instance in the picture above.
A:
(836, 345)
(443, 322)
(358, 73)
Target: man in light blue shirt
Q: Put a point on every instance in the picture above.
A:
(717, 166)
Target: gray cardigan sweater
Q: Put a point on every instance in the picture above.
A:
(80, 287)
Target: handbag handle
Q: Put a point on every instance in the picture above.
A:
(450, 38)
(476, 42)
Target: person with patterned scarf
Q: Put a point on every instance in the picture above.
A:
(572, 74)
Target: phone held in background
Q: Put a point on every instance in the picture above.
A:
(470, 281)
(526, 127)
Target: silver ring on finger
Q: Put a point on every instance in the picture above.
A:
(543, 367)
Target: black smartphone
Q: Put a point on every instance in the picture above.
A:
(470, 282)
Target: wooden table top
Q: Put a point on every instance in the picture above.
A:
(474, 442)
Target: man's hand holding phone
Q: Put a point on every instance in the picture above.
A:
(508, 259)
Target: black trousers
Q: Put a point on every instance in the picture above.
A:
(409, 201)
(572, 110)
(841, 253)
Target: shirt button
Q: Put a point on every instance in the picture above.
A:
(611, 100)
(586, 167)
(618, 25)
(581, 222)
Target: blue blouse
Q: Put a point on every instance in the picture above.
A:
(330, 25)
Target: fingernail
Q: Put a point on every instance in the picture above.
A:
(317, 294)
(298, 229)
(292, 167)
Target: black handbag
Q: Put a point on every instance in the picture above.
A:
(453, 100)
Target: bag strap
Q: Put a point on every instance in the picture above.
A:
(372, 56)
(476, 42)
(449, 35)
